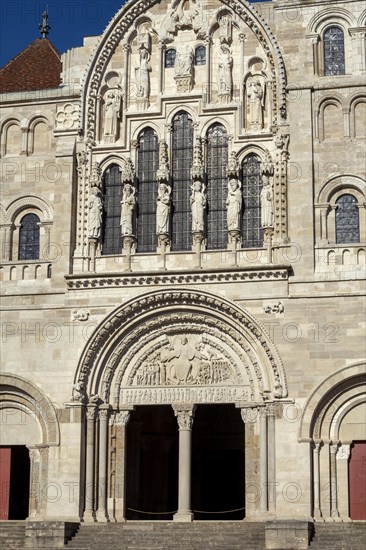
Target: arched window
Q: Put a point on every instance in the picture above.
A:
(182, 158)
(111, 235)
(252, 187)
(147, 165)
(29, 237)
(170, 58)
(333, 47)
(217, 153)
(200, 55)
(347, 220)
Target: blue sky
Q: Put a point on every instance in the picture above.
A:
(70, 21)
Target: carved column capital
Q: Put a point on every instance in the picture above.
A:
(185, 415)
(343, 452)
(91, 411)
(121, 418)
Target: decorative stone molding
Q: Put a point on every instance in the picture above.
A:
(344, 452)
(165, 396)
(276, 307)
(80, 314)
(114, 280)
(67, 116)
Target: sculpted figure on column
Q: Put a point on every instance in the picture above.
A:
(198, 205)
(225, 66)
(95, 213)
(184, 61)
(256, 102)
(112, 112)
(142, 70)
(266, 203)
(163, 208)
(234, 203)
(128, 204)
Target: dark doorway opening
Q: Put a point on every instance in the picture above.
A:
(15, 472)
(218, 476)
(152, 463)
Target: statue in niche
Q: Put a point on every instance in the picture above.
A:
(112, 113)
(266, 203)
(184, 61)
(128, 204)
(225, 29)
(225, 67)
(142, 70)
(255, 95)
(163, 208)
(234, 203)
(198, 206)
(95, 213)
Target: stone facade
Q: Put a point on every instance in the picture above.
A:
(274, 329)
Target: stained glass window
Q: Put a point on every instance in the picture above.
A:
(111, 234)
(29, 237)
(217, 153)
(147, 165)
(182, 158)
(170, 58)
(252, 187)
(333, 44)
(200, 55)
(347, 220)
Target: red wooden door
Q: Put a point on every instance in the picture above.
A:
(357, 480)
(5, 458)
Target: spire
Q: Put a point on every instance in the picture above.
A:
(44, 26)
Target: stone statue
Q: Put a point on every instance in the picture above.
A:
(198, 205)
(95, 214)
(128, 204)
(255, 103)
(225, 67)
(112, 112)
(142, 70)
(225, 29)
(163, 208)
(234, 203)
(184, 61)
(266, 203)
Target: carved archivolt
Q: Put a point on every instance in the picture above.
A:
(345, 181)
(16, 204)
(180, 338)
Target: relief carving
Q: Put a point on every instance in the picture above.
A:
(183, 69)
(187, 15)
(185, 361)
(142, 70)
(256, 97)
(225, 69)
(112, 114)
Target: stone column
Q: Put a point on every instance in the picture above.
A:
(34, 482)
(263, 460)
(271, 414)
(318, 516)
(333, 449)
(184, 414)
(89, 514)
(120, 421)
(102, 513)
(342, 480)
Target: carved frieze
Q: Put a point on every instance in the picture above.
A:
(213, 394)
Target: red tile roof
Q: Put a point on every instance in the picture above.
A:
(37, 67)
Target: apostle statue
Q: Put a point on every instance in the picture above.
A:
(255, 103)
(128, 204)
(266, 203)
(95, 214)
(163, 208)
(198, 205)
(225, 67)
(234, 203)
(112, 113)
(142, 70)
(184, 61)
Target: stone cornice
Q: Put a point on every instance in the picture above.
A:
(115, 280)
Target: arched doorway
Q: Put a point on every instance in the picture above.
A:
(14, 482)
(334, 421)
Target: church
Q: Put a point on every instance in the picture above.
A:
(183, 265)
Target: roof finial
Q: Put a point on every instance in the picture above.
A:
(44, 26)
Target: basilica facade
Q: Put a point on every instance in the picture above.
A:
(183, 268)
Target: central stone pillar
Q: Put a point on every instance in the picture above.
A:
(89, 513)
(185, 415)
(102, 514)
